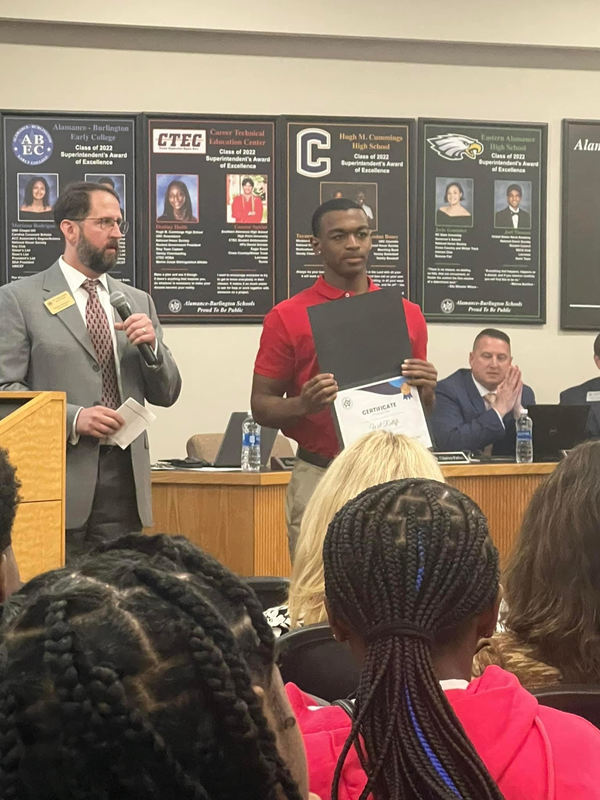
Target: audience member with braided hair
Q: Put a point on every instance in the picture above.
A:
(375, 458)
(551, 629)
(145, 671)
(411, 582)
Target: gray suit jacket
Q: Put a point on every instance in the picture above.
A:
(41, 351)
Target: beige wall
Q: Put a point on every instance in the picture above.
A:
(216, 360)
(535, 22)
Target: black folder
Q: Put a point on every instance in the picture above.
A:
(361, 339)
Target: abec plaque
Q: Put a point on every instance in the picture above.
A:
(42, 154)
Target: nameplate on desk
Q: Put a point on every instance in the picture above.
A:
(452, 457)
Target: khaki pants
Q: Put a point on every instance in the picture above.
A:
(305, 478)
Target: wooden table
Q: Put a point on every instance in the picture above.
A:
(502, 491)
(239, 516)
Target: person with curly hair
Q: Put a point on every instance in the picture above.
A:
(36, 200)
(551, 631)
(10, 580)
(145, 671)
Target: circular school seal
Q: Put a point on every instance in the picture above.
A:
(32, 145)
(175, 305)
(447, 306)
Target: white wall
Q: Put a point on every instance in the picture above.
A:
(216, 360)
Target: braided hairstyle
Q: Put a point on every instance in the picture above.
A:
(131, 676)
(407, 563)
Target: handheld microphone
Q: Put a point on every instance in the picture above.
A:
(123, 309)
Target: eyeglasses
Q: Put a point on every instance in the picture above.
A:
(107, 223)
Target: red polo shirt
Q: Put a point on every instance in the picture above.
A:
(287, 353)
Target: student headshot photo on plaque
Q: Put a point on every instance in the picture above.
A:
(177, 198)
(454, 201)
(244, 206)
(365, 194)
(37, 194)
(512, 204)
(114, 182)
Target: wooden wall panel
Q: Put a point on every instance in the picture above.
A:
(503, 499)
(239, 517)
(36, 538)
(36, 444)
(271, 552)
(219, 519)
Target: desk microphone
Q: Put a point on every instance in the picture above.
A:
(123, 309)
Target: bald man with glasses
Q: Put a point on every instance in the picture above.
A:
(58, 332)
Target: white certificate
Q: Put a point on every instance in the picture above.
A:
(391, 405)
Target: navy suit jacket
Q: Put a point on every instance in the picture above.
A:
(577, 395)
(460, 420)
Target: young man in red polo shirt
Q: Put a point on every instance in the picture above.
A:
(288, 391)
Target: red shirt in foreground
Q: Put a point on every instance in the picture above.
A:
(531, 751)
(287, 353)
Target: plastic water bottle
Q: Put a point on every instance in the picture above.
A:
(524, 443)
(250, 445)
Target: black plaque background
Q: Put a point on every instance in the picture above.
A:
(485, 299)
(580, 262)
(212, 221)
(303, 195)
(43, 255)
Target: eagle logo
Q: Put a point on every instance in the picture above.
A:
(453, 146)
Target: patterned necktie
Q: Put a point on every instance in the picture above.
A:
(490, 399)
(99, 330)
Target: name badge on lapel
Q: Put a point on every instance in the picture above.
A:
(592, 397)
(59, 302)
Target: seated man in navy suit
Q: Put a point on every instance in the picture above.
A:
(587, 393)
(475, 409)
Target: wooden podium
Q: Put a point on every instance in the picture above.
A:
(32, 429)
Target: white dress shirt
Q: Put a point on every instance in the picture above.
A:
(75, 280)
(483, 391)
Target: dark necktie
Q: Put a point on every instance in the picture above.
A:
(99, 330)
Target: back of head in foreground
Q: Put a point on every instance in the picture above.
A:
(375, 458)
(134, 675)
(9, 500)
(551, 582)
(411, 579)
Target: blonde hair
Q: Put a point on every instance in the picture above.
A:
(375, 458)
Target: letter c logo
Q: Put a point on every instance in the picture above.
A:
(308, 163)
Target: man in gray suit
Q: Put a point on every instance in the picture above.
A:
(58, 332)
